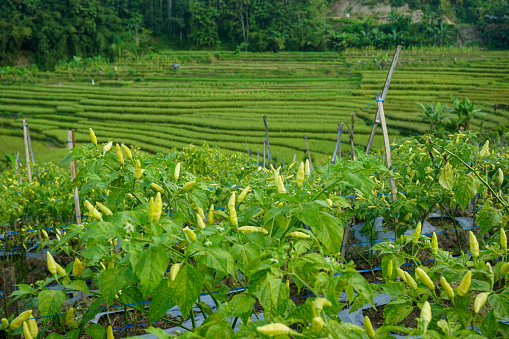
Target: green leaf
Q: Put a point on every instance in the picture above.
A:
(488, 217)
(465, 188)
(329, 232)
(78, 285)
(95, 252)
(446, 177)
(67, 159)
(489, 326)
(360, 182)
(161, 301)
(151, 267)
(242, 306)
(50, 302)
(158, 332)
(397, 310)
(96, 331)
(500, 303)
(186, 288)
(133, 295)
(273, 296)
(218, 259)
(110, 284)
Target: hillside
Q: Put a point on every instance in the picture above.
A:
(220, 99)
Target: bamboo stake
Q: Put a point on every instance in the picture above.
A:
(352, 149)
(384, 93)
(17, 167)
(70, 144)
(386, 145)
(32, 154)
(307, 151)
(25, 136)
(264, 148)
(294, 157)
(258, 158)
(338, 145)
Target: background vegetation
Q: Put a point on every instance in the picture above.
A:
(44, 32)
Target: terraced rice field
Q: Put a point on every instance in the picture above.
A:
(221, 101)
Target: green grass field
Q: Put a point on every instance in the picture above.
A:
(221, 99)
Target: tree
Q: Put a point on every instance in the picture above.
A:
(466, 111)
(436, 115)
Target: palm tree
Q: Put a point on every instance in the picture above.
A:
(466, 111)
(436, 115)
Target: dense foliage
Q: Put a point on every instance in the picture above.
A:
(47, 31)
(153, 228)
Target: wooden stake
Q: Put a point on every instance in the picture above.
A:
(71, 140)
(267, 138)
(264, 148)
(386, 145)
(384, 93)
(338, 145)
(352, 149)
(25, 135)
(32, 154)
(258, 158)
(9, 286)
(294, 157)
(307, 151)
(17, 167)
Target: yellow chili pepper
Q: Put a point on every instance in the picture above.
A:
(137, 170)
(233, 212)
(503, 239)
(176, 173)
(190, 233)
(307, 168)
(107, 147)
(188, 185)
(417, 234)
(410, 281)
(32, 325)
(434, 245)
(103, 208)
(299, 235)
(77, 268)
(317, 324)
(210, 215)
(474, 245)
(52, 265)
(199, 222)
(479, 301)
(120, 156)
(425, 278)
(300, 175)
(174, 270)
(274, 329)
(5, 323)
(69, 318)
(252, 229)
(156, 188)
(61, 270)
(93, 138)
(465, 284)
(243, 194)
(20, 319)
(158, 207)
(109, 333)
(26, 331)
(447, 288)
(127, 152)
(426, 313)
(369, 328)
